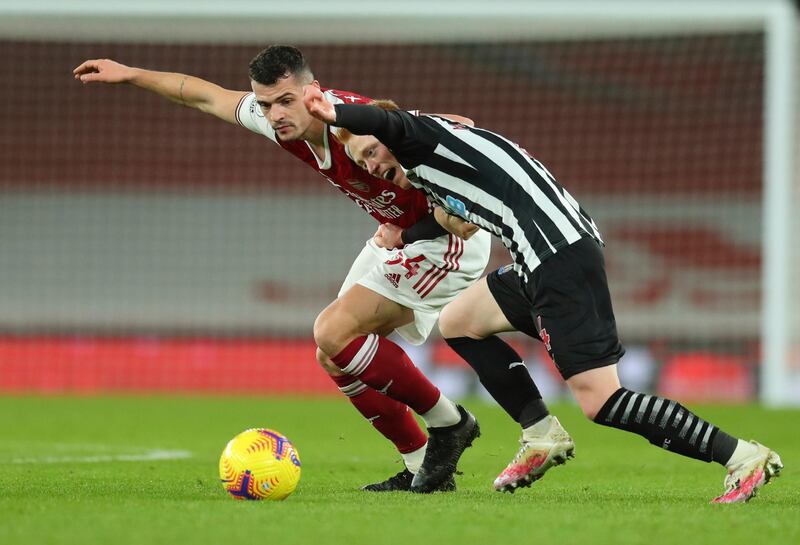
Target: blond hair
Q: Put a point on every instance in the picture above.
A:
(343, 135)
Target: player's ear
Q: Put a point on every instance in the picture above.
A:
(315, 83)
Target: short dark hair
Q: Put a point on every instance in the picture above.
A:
(279, 62)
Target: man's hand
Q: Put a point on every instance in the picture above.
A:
(454, 224)
(388, 236)
(104, 71)
(317, 105)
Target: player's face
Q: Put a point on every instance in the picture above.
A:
(376, 159)
(282, 105)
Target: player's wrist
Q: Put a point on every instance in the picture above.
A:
(134, 75)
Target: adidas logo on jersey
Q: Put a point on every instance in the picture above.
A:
(394, 278)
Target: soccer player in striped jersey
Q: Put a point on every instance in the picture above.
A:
(555, 289)
(385, 291)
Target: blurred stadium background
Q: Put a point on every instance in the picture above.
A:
(145, 247)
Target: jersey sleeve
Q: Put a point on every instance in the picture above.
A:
(249, 116)
(336, 96)
(425, 229)
(410, 138)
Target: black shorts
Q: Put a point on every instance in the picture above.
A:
(566, 305)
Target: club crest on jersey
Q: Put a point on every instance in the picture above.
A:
(359, 185)
(456, 206)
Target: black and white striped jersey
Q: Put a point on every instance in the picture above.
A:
(481, 177)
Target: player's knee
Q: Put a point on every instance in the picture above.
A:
(593, 388)
(329, 335)
(448, 325)
(590, 400)
(327, 364)
(590, 411)
(324, 333)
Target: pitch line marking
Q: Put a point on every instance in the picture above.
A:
(147, 456)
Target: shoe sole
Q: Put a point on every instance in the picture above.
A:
(448, 487)
(553, 460)
(366, 488)
(476, 432)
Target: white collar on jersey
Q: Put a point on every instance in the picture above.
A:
(328, 162)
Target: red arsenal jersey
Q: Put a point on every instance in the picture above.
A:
(380, 198)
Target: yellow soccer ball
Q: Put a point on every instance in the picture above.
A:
(259, 464)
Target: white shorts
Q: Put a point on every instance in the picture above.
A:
(424, 276)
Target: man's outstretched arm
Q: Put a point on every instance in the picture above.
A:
(181, 88)
(406, 135)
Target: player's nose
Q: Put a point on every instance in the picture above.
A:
(276, 113)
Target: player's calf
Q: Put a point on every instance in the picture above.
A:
(671, 426)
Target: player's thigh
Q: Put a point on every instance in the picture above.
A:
(357, 312)
(499, 303)
(473, 313)
(373, 311)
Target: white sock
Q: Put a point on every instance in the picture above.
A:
(744, 450)
(539, 429)
(444, 413)
(413, 460)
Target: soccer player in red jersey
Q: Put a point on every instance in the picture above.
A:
(400, 290)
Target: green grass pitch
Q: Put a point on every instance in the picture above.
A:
(72, 471)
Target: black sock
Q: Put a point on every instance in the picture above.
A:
(723, 446)
(664, 423)
(510, 385)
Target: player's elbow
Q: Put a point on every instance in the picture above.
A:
(466, 230)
